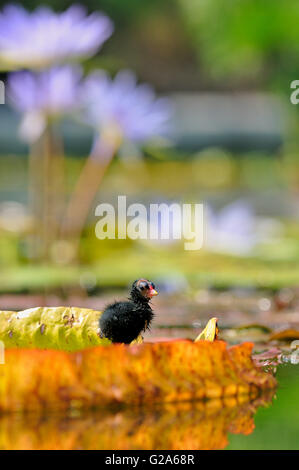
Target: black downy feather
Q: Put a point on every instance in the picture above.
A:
(122, 322)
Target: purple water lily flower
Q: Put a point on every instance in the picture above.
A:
(43, 95)
(52, 91)
(43, 37)
(131, 110)
(232, 230)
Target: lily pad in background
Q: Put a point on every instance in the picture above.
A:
(254, 332)
(285, 335)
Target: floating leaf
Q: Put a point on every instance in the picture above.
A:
(151, 372)
(253, 332)
(285, 335)
(66, 328)
(270, 357)
(210, 332)
(255, 327)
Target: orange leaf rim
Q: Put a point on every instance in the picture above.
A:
(172, 371)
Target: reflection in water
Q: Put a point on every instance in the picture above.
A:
(185, 425)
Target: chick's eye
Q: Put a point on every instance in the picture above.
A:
(143, 285)
(153, 285)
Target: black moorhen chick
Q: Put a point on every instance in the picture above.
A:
(122, 322)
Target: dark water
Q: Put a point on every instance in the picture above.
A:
(271, 421)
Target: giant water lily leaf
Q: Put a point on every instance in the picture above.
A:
(184, 425)
(66, 328)
(150, 372)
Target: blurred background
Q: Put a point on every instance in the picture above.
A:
(227, 68)
(233, 145)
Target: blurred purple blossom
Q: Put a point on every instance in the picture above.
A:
(40, 95)
(231, 230)
(237, 230)
(51, 91)
(43, 37)
(132, 110)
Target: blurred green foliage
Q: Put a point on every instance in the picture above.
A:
(190, 44)
(273, 264)
(245, 44)
(252, 40)
(118, 268)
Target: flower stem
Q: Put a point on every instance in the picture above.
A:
(86, 189)
(46, 181)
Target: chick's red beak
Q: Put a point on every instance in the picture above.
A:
(152, 292)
